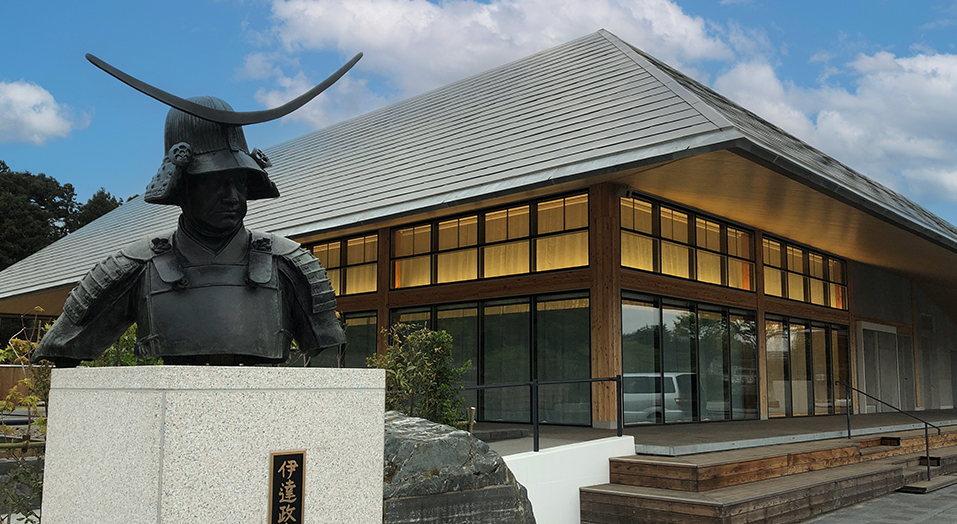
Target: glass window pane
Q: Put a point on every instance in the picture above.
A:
(815, 265)
(449, 234)
(708, 234)
(674, 225)
(772, 253)
(422, 241)
(461, 232)
(817, 292)
(411, 272)
(822, 390)
(643, 216)
(677, 351)
(561, 251)
(357, 250)
(640, 362)
(744, 368)
(773, 282)
(713, 386)
(455, 266)
(777, 361)
(796, 286)
(361, 279)
(563, 352)
(637, 251)
(709, 267)
(551, 216)
(361, 333)
(506, 259)
(627, 213)
(840, 367)
(335, 278)
(795, 259)
(328, 254)
(740, 274)
(402, 242)
(506, 333)
(739, 243)
(835, 271)
(518, 222)
(800, 374)
(371, 248)
(496, 226)
(675, 259)
(837, 296)
(417, 316)
(576, 212)
(461, 322)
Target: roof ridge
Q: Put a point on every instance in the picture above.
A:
(668, 80)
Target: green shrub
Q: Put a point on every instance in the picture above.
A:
(420, 378)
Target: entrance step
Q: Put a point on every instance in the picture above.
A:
(784, 499)
(928, 486)
(709, 471)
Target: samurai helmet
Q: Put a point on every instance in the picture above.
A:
(204, 135)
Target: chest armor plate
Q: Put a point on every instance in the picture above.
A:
(216, 313)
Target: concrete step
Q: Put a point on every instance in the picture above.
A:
(929, 486)
(782, 500)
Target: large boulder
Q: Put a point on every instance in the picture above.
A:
(434, 473)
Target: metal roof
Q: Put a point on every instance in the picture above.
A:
(592, 104)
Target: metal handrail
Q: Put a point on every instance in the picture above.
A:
(534, 385)
(847, 409)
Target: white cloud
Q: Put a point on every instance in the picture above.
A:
(418, 45)
(28, 113)
(897, 125)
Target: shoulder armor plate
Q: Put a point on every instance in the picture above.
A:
(282, 245)
(323, 296)
(105, 283)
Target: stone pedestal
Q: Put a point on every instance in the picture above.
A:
(179, 444)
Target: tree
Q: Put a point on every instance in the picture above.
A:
(36, 209)
(98, 205)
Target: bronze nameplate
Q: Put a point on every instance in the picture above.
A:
(286, 481)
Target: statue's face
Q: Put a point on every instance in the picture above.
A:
(216, 201)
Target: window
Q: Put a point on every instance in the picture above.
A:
(362, 332)
(515, 340)
(350, 263)
(542, 236)
(685, 362)
(659, 238)
(797, 273)
(803, 360)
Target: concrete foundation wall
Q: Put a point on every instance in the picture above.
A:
(553, 476)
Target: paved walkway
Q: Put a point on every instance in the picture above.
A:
(939, 507)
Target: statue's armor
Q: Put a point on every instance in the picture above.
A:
(275, 292)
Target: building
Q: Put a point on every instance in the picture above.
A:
(589, 211)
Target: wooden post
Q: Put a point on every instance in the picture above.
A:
(605, 263)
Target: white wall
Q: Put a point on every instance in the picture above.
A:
(553, 475)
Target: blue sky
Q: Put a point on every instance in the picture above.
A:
(872, 83)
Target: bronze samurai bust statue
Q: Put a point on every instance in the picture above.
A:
(211, 291)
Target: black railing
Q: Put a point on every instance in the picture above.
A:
(533, 403)
(927, 425)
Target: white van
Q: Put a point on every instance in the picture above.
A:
(642, 394)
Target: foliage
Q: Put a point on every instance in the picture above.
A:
(122, 353)
(37, 210)
(21, 490)
(98, 205)
(420, 378)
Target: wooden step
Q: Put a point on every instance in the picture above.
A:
(784, 499)
(708, 471)
(929, 486)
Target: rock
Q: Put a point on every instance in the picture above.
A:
(434, 473)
